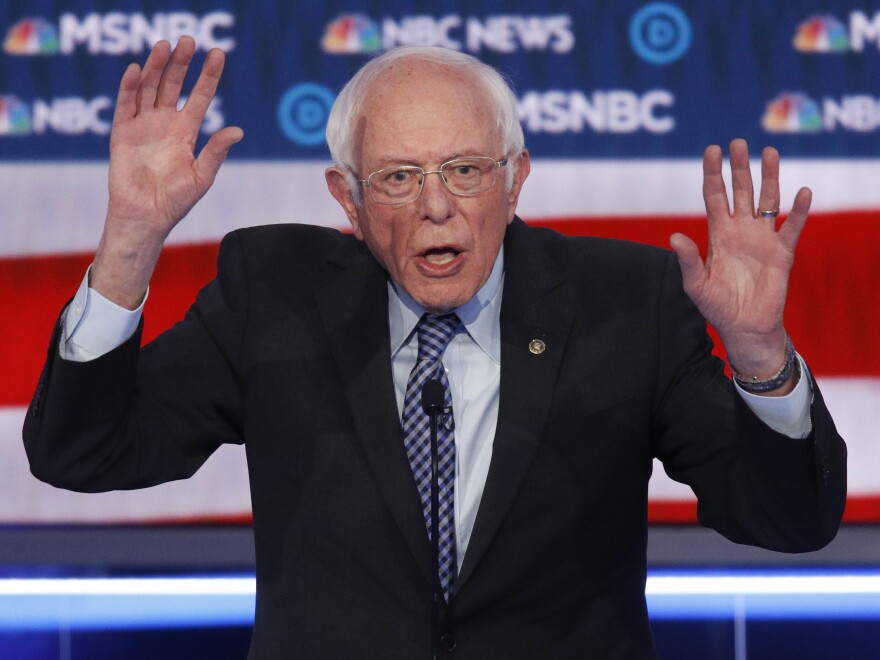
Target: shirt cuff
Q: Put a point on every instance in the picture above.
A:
(789, 414)
(92, 325)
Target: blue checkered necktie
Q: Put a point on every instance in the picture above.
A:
(434, 335)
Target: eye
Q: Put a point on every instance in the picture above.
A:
(464, 170)
(398, 177)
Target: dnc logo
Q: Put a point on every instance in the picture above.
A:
(821, 34)
(31, 36)
(352, 33)
(302, 113)
(15, 117)
(660, 33)
(792, 113)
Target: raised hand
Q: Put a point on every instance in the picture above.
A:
(155, 177)
(741, 287)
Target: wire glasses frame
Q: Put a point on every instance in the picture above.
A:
(402, 184)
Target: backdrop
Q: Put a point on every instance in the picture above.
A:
(618, 99)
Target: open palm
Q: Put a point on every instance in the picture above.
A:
(155, 176)
(742, 285)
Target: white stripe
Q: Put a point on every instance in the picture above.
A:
(681, 583)
(767, 595)
(853, 403)
(220, 488)
(763, 584)
(127, 586)
(60, 207)
(52, 604)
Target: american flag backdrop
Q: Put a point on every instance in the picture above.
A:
(617, 100)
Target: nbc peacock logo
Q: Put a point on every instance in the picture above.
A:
(821, 34)
(31, 36)
(352, 33)
(792, 113)
(15, 116)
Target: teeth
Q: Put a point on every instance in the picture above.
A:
(440, 258)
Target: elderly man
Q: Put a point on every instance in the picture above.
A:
(568, 365)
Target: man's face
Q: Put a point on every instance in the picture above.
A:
(441, 247)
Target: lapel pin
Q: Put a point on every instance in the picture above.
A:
(537, 346)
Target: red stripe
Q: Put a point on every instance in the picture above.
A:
(660, 512)
(833, 306)
(228, 520)
(834, 303)
(860, 509)
(40, 287)
(673, 512)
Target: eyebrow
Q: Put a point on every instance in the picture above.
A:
(391, 162)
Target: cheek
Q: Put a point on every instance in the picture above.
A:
(491, 233)
(386, 240)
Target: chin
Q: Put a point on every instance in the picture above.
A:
(439, 296)
(442, 304)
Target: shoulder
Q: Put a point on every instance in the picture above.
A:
(287, 238)
(285, 248)
(591, 257)
(286, 259)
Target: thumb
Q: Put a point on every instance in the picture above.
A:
(688, 259)
(215, 151)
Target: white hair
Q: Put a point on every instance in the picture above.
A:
(346, 109)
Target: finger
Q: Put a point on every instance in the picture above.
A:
(214, 153)
(741, 177)
(791, 229)
(692, 270)
(769, 198)
(152, 74)
(126, 99)
(714, 191)
(206, 85)
(175, 72)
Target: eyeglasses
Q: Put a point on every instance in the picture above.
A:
(403, 184)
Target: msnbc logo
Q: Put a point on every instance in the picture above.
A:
(352, 33)
(15, 118)
(116, 33)
(31, 36)
(821, 34)
(792, 113)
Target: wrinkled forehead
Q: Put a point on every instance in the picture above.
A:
(417, 109)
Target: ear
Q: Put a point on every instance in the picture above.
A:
(337, 182)
(521, 169)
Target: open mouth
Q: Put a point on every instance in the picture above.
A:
(441, 256)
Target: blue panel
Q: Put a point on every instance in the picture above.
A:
(595, 79)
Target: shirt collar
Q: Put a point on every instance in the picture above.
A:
(480, 315)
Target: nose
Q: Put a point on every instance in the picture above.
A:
(435, 202)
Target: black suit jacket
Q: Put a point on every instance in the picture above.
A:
(288, 351)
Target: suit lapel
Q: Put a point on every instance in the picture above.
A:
(534, 307)
(354, 307)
